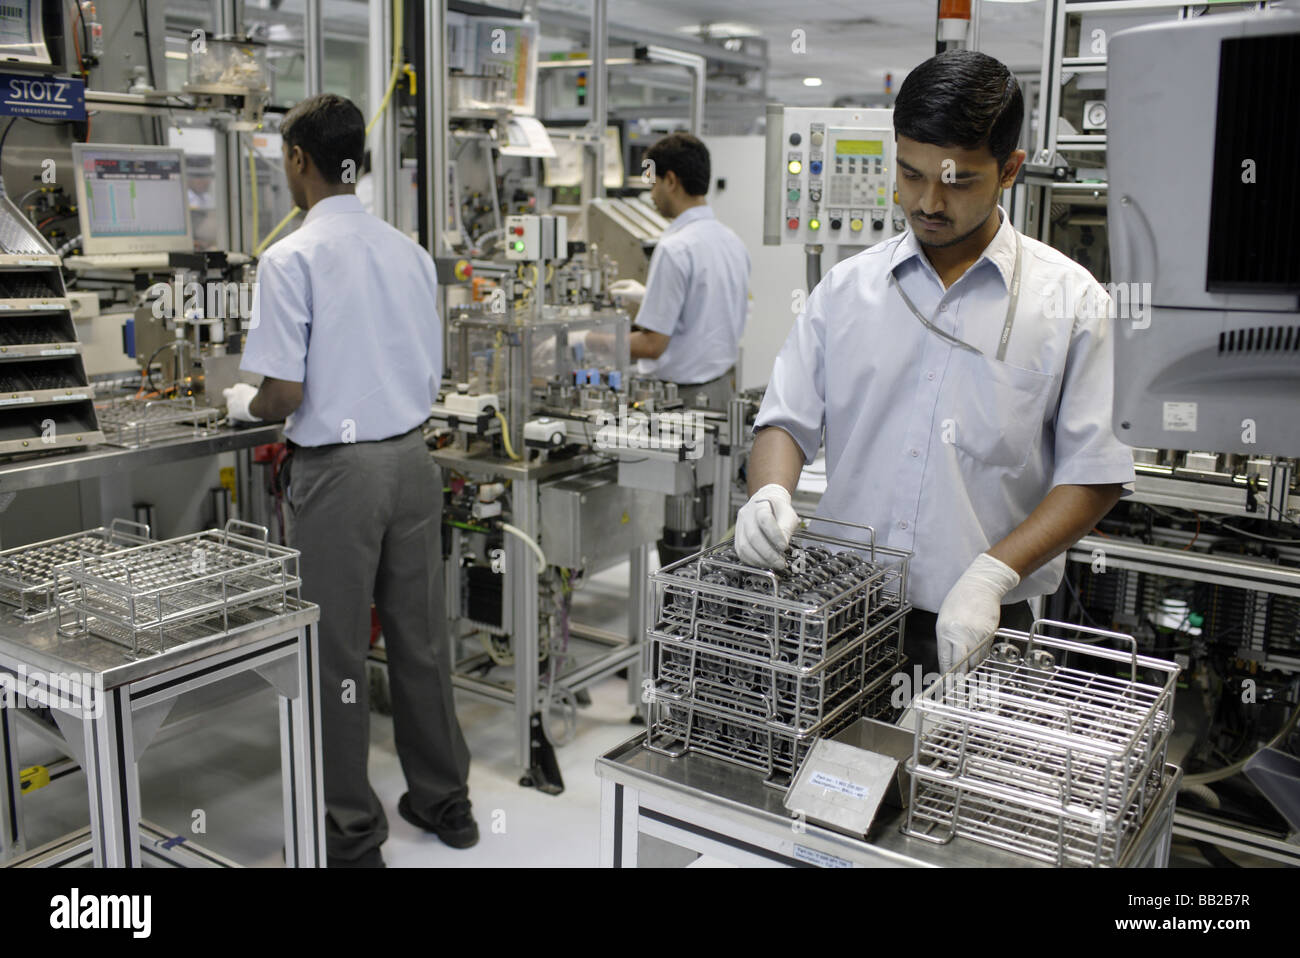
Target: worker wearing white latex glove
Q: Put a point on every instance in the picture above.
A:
(238, 398)
(764, 527)
(628, 290)
(973, 607)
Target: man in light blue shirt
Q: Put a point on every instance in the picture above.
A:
(696, 298)
(346, 333)
(960, 376)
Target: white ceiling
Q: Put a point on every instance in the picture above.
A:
(850, 44)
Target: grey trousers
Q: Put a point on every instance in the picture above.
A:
(712, 395)
(368, 520)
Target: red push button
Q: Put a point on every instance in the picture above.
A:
(792, 223)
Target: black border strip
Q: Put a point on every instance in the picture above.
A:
(132, 855)
(618, 826)
(725, 839)
(10, 756)
(191, 676)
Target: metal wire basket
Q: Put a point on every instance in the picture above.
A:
(753, 666)
(133, 423)
(148, 593)
(691, 726)
(786, 697)
(1039, 749)
(27, 572)
(833, 587)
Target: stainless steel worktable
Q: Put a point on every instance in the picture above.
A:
(133, 694)
(33, 471)
(660, 811)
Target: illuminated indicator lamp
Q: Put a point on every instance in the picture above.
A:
(814, 224)
(519, 246)
(795, 167)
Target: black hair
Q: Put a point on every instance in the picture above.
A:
(961, 98)
(331, 130)
(684, 155)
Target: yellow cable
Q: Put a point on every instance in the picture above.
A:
(505, 438)
(383, 105)
(252, 176)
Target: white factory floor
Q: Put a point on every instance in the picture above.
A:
(226, 765)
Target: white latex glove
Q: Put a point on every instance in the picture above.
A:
(628, 290)
(972, 609)
(764, 527)
(238, 397)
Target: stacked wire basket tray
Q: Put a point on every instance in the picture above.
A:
(27, 572)
(752, 666)
(135, 423)
(155, 596)
(1051, 748)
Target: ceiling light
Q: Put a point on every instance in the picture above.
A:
(812, 81)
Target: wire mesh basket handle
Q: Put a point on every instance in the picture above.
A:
(261, 532)
(1034, 634)
(870, 530)
(141, 529)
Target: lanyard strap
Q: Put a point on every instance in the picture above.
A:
(1006, 325)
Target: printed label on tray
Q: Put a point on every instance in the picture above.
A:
(844, 787)
(17, 401)
(66, 351)
(820, 859)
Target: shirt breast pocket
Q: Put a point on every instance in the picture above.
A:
(996, 409)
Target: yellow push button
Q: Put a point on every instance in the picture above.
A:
(855, 225)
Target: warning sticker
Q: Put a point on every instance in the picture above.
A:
(1180, 416)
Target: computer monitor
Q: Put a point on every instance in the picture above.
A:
(132, 199)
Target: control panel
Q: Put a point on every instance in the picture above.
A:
(830, 177)
(531, 237)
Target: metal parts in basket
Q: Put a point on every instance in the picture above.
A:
(151, 596)
(753, 666)
(134, 423)
(1051, 748)
(27, 572)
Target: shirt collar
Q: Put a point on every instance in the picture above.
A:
(701, 212)
(1001, 251)
(343, 203)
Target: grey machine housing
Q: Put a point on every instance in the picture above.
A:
(1215, 362)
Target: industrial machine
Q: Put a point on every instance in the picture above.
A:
(559, 464)
(1202, 563)
(830, 177)
(1214, 364)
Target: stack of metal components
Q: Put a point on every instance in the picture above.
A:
(1050, 748)
(753, 666)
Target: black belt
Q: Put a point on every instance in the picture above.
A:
(360, 442)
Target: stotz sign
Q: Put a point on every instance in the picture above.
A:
(46, 97)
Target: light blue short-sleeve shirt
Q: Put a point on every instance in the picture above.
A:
(941, 450)
(347, 306)
(697, 293)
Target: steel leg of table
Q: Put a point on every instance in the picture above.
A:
(301, 773)
(112, 782)
(11, 807)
